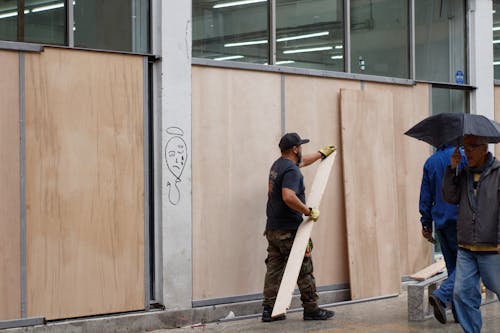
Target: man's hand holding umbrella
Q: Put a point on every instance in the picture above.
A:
(455, 158)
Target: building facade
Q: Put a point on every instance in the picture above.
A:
(137, 137)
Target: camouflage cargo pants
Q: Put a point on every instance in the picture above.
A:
(279, 247)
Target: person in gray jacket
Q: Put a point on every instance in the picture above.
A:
(477, 191)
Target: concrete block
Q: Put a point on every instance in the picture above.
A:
(418, 294)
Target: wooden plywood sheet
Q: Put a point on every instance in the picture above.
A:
(429, 271)
(236, 130)
(312, 109)
(10, 224)
(84, 183)
(411, 105)
(294, 262)
(370, 192)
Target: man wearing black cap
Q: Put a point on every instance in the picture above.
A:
(285, 207)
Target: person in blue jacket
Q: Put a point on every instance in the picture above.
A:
(433, 208)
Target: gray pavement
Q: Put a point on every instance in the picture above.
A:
(381, 316)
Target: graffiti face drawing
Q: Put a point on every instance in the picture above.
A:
(175, 156)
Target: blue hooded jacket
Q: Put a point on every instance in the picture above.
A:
(432, 207)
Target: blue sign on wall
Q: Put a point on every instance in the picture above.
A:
(459, 77)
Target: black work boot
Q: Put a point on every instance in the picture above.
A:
(439, 309)
(266, 315)
(318, 314)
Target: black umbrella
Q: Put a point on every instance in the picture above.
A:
(449, 129)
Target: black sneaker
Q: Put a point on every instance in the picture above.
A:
(266, 315)
(439, 309)
(318, 314)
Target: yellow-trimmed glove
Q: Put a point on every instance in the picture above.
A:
(326, 151)
(313, 214)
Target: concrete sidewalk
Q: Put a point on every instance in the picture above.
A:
(381, 316)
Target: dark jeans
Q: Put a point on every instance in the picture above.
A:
(279, 247)
(447, 237)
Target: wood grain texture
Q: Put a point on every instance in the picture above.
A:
(84, 183)
(411, 104)
(10, 222)
(312, 109)
(236, 130)
(370, 192)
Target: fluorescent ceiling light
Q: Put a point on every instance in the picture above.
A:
(339, 47)
(237, 3)
(229, 57)
(283, 39)
(9, 14)
(337, 57)
(313, 49)
(49, 7)
(316, 34)
(496, 41)
(284, 62)
(496, 28)
(252, 42)
(496, 63)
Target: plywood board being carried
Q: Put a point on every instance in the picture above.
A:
(84, 183)
(412, 105)
(10, 223)
(236, 130)
(370, 192)
(294, 262)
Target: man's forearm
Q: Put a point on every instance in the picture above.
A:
(292, 201)
(310, 159)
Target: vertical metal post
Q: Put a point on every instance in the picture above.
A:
(156, 137)
(411, 25)
(347, 36)
(71, 22)
(272, 31)
(22, 173)
(147, 274)
(283, 108)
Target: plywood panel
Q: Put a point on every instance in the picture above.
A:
(10, 226)
(313, 110)
(370, 192)
(84, 183)
(236, 130)
(411, 104)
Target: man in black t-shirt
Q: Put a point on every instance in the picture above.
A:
(286, 204)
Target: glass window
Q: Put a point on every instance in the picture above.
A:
(8, 20)
(496, 38)
(231, 30)
(112, 25)
(45, 21)
(449, 100)
(310, 34)
(41, 21)
(440, 41)
(379, 37)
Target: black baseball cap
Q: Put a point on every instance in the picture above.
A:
(291, 139)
